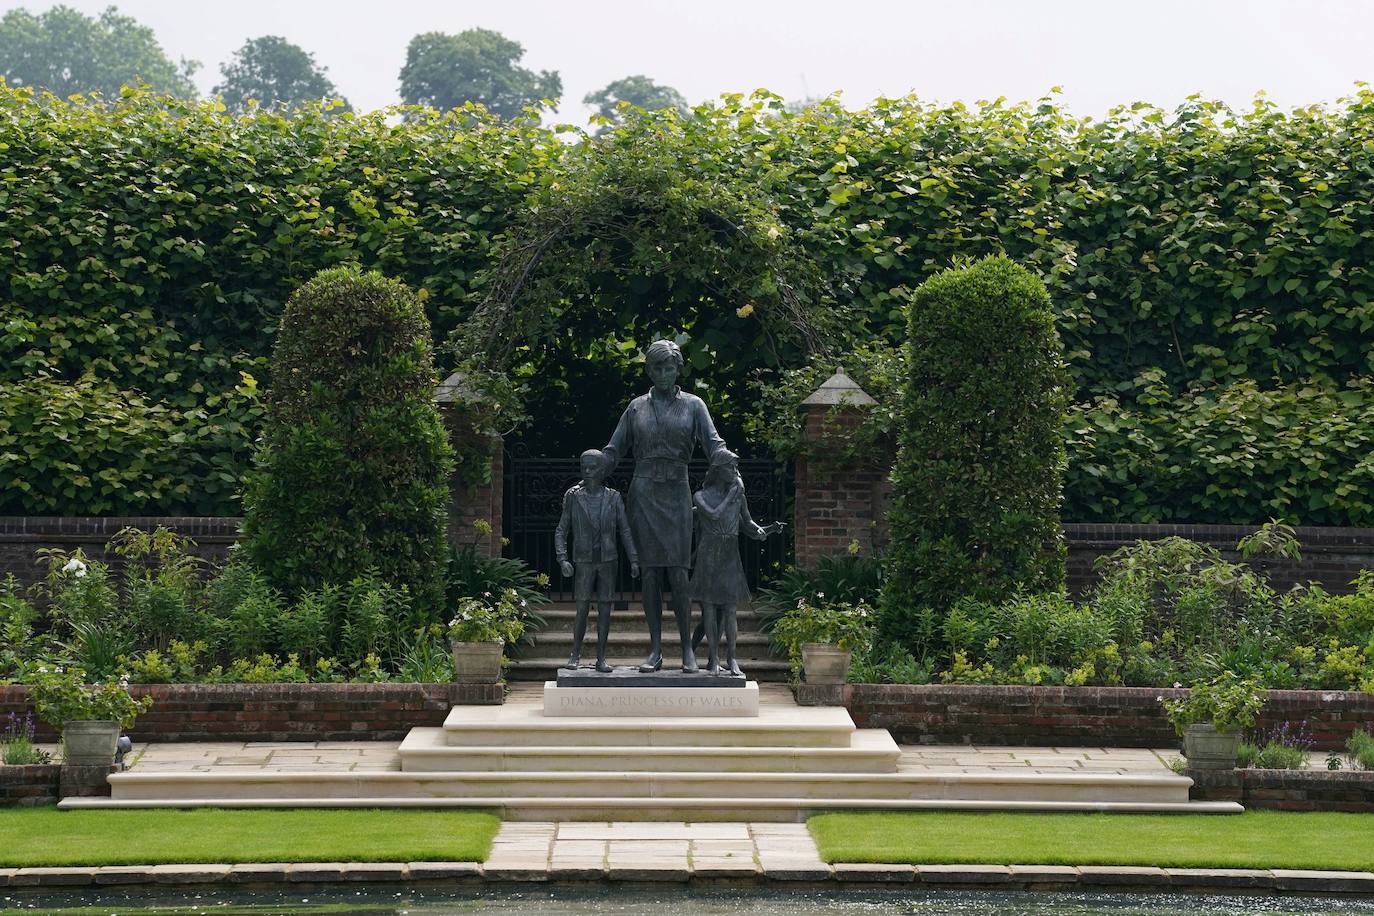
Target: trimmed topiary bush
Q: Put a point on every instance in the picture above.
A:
(352, 475)
(979, 475)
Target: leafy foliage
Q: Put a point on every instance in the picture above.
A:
(632, 91)
(67, 52)
(271, 70)
(354, 466)
(978, 481)
(1186, 252)
(1227, 702)
(476, 65)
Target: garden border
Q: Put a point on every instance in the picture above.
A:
(283, 712)
(1067, 716)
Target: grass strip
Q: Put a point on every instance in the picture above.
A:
(159, 836)
(1256, 839)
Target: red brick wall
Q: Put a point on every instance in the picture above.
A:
(284, 712)
(45, 784)
(836, 502)
(1068, 716)
(1287, 790)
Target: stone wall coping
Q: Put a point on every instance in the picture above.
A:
(299, 875)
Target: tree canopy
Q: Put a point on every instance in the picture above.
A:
(639, 91)
(477, 65)
(272, 70)
(67, 52)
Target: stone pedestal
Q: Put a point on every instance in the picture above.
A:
(633, 677)
(655, 702)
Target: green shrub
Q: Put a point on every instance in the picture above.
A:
(354, 467)
(978, 480)
(839, 578)
(1360, 747)
(1034, 639)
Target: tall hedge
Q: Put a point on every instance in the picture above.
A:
(352, 474)
(979, 475)
(152, 243)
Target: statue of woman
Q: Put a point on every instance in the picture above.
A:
(661, 429)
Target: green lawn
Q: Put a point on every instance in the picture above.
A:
(1256, 839)
(46, 836)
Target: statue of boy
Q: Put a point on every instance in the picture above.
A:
(595, 514)
(717, 574)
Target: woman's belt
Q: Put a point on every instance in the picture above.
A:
(661, 468)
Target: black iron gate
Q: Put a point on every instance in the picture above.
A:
(533, 501)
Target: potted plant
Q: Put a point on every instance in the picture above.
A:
(479, 631)
(89, 716)
(1211, 718)
(820, 637)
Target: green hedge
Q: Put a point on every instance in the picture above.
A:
(152, 243)
(353, 471)
(980, 463)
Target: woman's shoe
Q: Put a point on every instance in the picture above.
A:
(603, 666)
(652, 663)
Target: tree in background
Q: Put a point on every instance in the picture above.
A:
(639, 91)
(272, 70)
(979, 478)
(353, 472)
(477, 65)
(67, 52)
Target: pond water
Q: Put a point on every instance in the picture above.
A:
(608, 900)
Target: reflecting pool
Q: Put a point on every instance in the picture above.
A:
(606, 900)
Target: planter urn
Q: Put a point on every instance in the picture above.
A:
(477, 662)
(1208, 749)
(824, 663)
(89, 742)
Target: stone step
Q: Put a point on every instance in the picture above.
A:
(870, 751)
(695, 810)
(537, 666)
(525, 726)
(725, 788)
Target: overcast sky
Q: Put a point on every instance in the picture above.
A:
(1102, 52)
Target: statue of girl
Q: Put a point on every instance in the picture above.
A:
(717, 573)
(661, 429)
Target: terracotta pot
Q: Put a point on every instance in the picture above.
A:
(1208, 749)
(89, 742)
(477, 662)
(824, 663)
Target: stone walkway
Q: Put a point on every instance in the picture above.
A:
(339, 756)
(654, 851)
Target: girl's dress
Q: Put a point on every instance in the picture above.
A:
(717, 572)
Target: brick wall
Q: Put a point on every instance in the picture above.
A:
(284, 712)
(837, 503)
(1068, 716)
(46, 784)
(1287, 790)
(28, 786)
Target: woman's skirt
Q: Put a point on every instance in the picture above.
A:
(660, 513)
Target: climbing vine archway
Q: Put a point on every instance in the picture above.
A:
(631, 239)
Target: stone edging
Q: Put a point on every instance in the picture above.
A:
(1009, 877)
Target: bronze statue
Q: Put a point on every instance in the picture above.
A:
(661, 429)
(595, 515)
(717, 574)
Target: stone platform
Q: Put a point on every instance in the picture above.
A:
(782, 765)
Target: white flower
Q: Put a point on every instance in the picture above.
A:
(75, 567)
(820, 594)
(1177, 684)
(59, 670)
(42, 669)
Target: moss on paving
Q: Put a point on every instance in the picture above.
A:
(158, 836)
(1256, 839)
